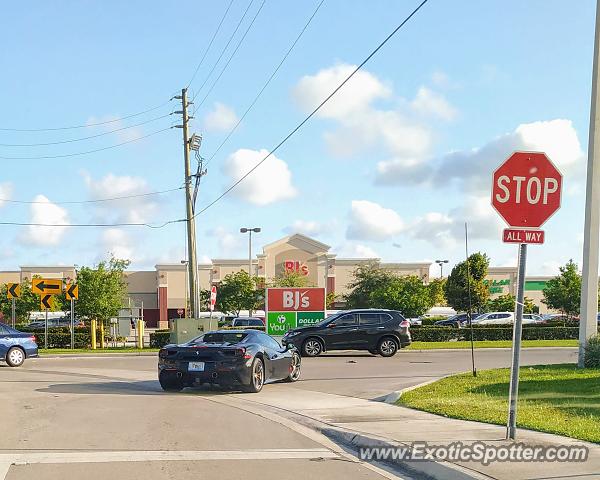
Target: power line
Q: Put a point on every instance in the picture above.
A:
(311, 114)
(84, 138)
(86, 125)
(241, 40)
(224, 49)
(40, 157)
(99, 225)
(241, 119)
(210, 44)
(97, 200)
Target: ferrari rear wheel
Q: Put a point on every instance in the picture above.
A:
(294, 368)
(257, 376)
(170, 383)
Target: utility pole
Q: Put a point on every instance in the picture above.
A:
(189, 207)
(589, 286)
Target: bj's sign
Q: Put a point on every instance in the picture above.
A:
(288, 308)
(295, 266)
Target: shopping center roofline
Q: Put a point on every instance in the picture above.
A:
(323, 247)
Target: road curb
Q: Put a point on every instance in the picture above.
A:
(97, 355)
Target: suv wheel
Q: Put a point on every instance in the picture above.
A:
(312, 347)
(387, 347)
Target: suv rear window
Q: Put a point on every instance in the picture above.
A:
(369, 318)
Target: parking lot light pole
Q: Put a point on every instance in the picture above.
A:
(441, 264)
(249, 232)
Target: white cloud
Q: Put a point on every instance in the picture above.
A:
(474, 168)
(270, 183)
(220, 118)
(371, 221)
(6, 190)
(445, 230)
(428, 102)
(308, 227)
(363, 126)
(118, 243)
(45, 212)
(354, 97)
(229, 243)
(551, 267)
(135, 210)
(355, 250)
(440, 79)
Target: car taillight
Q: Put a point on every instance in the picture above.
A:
(241, 352)
(405, 324)
(33, 339)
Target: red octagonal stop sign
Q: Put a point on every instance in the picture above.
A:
(526, 189)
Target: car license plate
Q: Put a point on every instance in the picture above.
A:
(196, 367)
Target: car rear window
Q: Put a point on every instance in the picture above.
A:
(222, 337)
(255, 322)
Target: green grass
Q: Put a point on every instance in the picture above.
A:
(54, 351)
(559, 399)
(492, 344)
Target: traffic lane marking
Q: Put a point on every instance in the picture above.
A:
(18, 459)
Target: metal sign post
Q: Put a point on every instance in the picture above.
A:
(46, 331)
(14, 313)
(511, 429)
(72, 324)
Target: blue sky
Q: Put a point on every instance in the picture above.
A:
(393, 167)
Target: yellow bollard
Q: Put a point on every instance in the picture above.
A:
(102, 335)
(93, 334)
(140, 334)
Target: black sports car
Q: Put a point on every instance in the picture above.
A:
(230, 358)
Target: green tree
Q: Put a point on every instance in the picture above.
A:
(366, 279)
(408, 294)
(290, 279)
(563, 292)
(28, 302)
(237, 291)
(457, 284)
(102, 290)
(436, 291)
(506, 303)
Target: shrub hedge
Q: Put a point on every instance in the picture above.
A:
(160, 338)
(445, 334)
(592, 352)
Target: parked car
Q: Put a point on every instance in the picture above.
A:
(243, 322)
(458, 320)
(243, 358)
(415, 322)
(16, 346)
(505, 318)
(379, 331)
(64, 322)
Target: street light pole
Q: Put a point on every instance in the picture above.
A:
(441, 264)
(249, 232)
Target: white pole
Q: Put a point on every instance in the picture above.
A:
(588, 325)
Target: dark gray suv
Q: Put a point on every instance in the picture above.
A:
(379, 331)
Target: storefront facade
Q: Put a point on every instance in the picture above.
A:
(162, 292)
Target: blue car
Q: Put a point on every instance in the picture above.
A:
(16, 346)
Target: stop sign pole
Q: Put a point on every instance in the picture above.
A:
(526, 191)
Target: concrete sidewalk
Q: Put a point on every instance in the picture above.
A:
(359, 422)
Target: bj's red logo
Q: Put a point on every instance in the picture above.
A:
(295, 266)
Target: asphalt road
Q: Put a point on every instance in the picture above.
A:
(107, 417)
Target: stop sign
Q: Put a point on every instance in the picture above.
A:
(526, 189)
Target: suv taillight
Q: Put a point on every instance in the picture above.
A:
(404, 324)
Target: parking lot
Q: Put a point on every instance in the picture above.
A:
(75, 416)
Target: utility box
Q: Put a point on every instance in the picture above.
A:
(185, 329)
